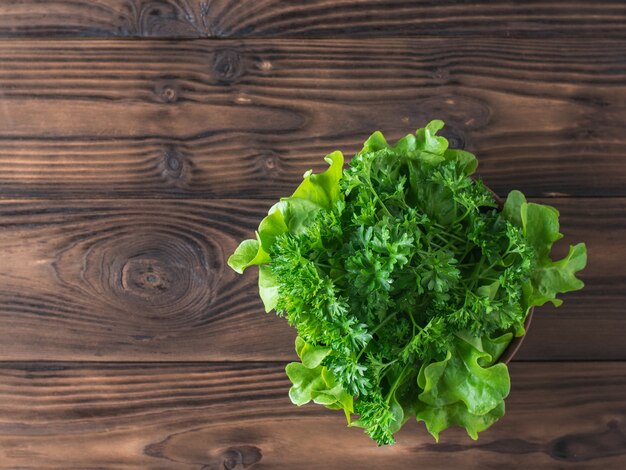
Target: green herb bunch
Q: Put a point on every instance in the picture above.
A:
(405, 283)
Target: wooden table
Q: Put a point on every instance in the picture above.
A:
(140, 141)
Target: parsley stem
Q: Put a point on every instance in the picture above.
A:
(375, 194)
(370, 186)
(448, 233)
(380, 325)
(398, 381)
(476, 271)
(467, 251)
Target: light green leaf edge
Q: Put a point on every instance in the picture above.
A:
(465, 389)
(290, 214)
(313, 382)
(540, 226)
(424, 145)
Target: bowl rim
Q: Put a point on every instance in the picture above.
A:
(517, 341)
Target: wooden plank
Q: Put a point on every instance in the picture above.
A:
(246, 119)
(145, 280)
(138, 280)
(276, 18)
(212, 416)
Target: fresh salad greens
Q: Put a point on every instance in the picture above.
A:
(406, 283)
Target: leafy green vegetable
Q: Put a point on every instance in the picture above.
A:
(406, 283)
(459, 390)
(540, 226)
(311, 381)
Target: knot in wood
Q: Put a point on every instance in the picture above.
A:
(175, 168)
(154, 279)
(145, 277)
(456, 137)
(268, 163)
(227, 66)
(164, 19)
(441, 74)
(237, 458)
(163, 272)
(167, 92)
(589, 446)
(265, 66)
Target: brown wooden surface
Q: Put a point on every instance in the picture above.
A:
(280, 18)
(147, 280)
(246, 119)
(231, 416)
(131, 168)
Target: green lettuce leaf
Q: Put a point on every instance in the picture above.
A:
(248, 253)
(494, 347)
(322, 189)
(463, 389)
(297, 213)
(512, 210)
(460, 377)
(311, 356)
(271, 227)
(540, 226)
(305, 382)
(290, 215)
(551, 278)
(438, 419)
(314, 382)
(428, 141)
(268, 287)
(374, 143)
(467, 160)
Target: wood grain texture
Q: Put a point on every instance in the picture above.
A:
(236, 416)
(306, 18)
(120, 280)
(145, 280)
(246, 119)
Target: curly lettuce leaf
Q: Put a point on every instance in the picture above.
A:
(441, 418)
(467, 160)
(290, 215)
(268, 287)
(424, 145)
(495, 347)
(513, 211)
(427, 141)
(374, 143)
(460, 378)
(248, 253)
(465, 388)
(305, 381)
(271, 227)
(297, 213)
(322, 189)
(556, 277)
(540, 225)
(314, 382)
